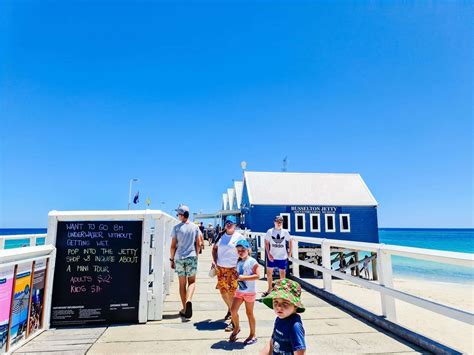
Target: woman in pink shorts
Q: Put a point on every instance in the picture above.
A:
(247, 268)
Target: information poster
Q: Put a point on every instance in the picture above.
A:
(97, 272)
(6, 285)
(21, 299)
(37, 297)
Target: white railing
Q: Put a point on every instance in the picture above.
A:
(16, 261)
(32, 239)
(385, 287)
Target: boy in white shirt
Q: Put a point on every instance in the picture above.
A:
(278, 247)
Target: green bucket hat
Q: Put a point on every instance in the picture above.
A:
(288, 290)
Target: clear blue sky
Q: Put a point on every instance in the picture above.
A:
(177, 94)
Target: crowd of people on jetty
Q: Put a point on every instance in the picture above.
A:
(237, 272)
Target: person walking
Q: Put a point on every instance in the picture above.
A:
(278, 247)
(185, 246)
(224, 259)
(247, 268)
(210, 234)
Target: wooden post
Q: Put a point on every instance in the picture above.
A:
(326, 255)
(357, 266)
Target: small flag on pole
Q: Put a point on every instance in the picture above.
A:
(136, 199)
(148, 201)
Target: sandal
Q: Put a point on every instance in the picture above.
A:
(250, 341)
(227, 316)
(181, 313)
(233, 336)
(189, 310)
(265, 294)
(229, 327)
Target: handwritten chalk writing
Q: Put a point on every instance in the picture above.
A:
(95, 289)
(72, 251)
(120, 235)
(68, 269)
(74, 226)
(128, 259)
(91, 226)
(129, 251)
(86, 258)
(106, 251)
(83, 234)
(78, 289)
(118, 228)
(89, 251)
(103, 227)
(82, 268)
(72, 259)
(77, 243)
(102, 243)
(79, 279)
(104, 278)
(105, 259)
(98, 268)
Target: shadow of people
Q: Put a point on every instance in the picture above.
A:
(171, 316)
(210, 325)
(227, 345)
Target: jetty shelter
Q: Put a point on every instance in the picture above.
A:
(323, 205)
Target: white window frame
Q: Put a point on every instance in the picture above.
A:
(296, 222)
(311, 222)
(333, 222)
(288, 219)
(348, 222)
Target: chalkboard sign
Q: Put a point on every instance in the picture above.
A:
(97, 273)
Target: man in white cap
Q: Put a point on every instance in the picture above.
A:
(185, 245)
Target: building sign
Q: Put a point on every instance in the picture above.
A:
(312, 209)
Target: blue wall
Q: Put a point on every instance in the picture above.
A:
(363, 220)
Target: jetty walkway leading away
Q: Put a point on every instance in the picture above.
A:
(329, 329)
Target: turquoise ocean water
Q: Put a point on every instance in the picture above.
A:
(458, 240)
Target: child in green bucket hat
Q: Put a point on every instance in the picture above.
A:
(288, 332)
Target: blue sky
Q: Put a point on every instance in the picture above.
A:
(177, 94)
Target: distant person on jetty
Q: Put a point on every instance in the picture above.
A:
(288, 332)
(224, 259)
(247, 267)
(185, 245)
(210, 234)
(278, 247)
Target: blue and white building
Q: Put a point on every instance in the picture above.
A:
(336, 206)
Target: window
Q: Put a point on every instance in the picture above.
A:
(300, 222)
(286, 220)
(315, 222)
(345, 221)
(330, 225)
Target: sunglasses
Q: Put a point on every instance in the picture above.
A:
(241, 250)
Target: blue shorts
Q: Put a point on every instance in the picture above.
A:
(281, 264)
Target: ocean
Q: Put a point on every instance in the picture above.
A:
(458, 240)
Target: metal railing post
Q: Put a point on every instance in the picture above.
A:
(158, 270)
(2, 243)
(384, 266)
(326, 261)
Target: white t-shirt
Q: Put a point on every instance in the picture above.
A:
(278, 239)
(226, 251)
(246, 268)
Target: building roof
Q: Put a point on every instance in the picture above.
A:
(275, 188)
(225, 201)
(231, 196)
(239, 187)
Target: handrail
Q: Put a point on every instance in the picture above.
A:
(31, 238)
(384, 252)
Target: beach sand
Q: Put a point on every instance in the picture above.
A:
(445, 330)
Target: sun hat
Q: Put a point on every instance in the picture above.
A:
(231, 220)
(243, 243)
(278, 219)
(288, 290)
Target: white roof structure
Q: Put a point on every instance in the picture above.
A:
(231, 196)
(225, 202)
(275, 188)
(238, 187)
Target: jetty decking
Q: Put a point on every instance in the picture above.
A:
(328, 329)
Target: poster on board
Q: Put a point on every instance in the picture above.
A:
(21, 299)
(35, 321)
(6, 285)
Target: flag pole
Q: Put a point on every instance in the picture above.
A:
(130, 191)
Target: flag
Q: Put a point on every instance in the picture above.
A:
(148, 201)
(136, 199)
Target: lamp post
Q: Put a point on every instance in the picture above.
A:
(130, 191)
